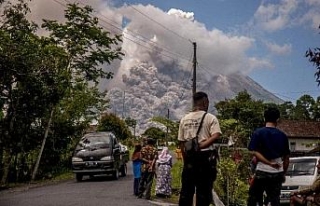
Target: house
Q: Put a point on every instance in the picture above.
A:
(303, 136)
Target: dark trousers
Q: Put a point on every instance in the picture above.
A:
(136, 183)
(198, 175)
(145, 184)
(265, 182)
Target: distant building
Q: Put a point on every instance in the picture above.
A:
(303, 136)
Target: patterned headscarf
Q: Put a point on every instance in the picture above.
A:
(164, 156)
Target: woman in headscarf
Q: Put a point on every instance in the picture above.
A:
(164, 163)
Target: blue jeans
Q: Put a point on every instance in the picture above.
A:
(136, 183)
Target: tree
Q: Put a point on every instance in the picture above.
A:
(131, 123)
(314, 57)
(110, 122)
(155, 133)
(316, 110)
(229, 185)
(247, 113)
(47, 79)
(172, 127)
(304, 108)
(28, 79)
(287, 110)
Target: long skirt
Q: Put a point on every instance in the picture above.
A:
(163, 184)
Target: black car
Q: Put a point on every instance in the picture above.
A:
(99, 153)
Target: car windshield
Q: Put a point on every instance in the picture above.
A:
(94, 141)
(299, 167)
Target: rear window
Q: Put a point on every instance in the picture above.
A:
(299, 167)
(94, 141)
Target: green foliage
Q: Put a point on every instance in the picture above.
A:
(110, 122)
(88, 46)
(242, 115)
(314, 57)
(306, 109)
(286, 110)
(231, 184)
(304, 106)
(155, 133)
(173, 127)
(131, 122)
(176, 174)
(42, 74)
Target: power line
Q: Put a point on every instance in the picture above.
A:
(151, 19)
(143, 38)
(134, 41)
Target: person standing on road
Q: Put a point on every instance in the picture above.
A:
(199, 169)
(136, 165)
(164, 165)
(149, 155)
(271, 148)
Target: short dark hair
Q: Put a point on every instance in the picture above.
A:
(271, 114)
(199, 96)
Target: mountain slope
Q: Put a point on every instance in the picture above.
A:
(146, 91)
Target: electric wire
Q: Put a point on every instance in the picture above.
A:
(134, 41)
(158, 23)
(109, 21)
(144, 39)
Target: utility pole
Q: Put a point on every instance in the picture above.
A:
(123, 102)
(167, 128)
(194, 78)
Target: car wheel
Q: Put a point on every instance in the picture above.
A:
(123, 170)
(116, 174)
(79, 177)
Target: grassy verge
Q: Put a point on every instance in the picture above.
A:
(176, 182)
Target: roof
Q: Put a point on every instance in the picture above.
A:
(294, 128)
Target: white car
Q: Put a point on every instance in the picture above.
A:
(302, 172)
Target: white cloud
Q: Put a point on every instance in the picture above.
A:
(161, 39)
(272, 17)
(312, 16)
(254, 63)
(280, 50)
(218, 52)
(287, 13)
(158, 61)
(181, 14)
(313, 2)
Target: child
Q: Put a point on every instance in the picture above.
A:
(136, 165)
(179, 153)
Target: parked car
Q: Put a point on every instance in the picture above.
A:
(302, 172)
(99, 153)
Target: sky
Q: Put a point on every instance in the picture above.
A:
(265, 40)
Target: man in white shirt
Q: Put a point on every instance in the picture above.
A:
(199, 169)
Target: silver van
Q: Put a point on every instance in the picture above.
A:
(302, 172)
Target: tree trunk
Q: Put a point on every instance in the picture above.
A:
(35, 171)
(6, 165)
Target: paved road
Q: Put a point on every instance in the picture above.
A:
(101, 191)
